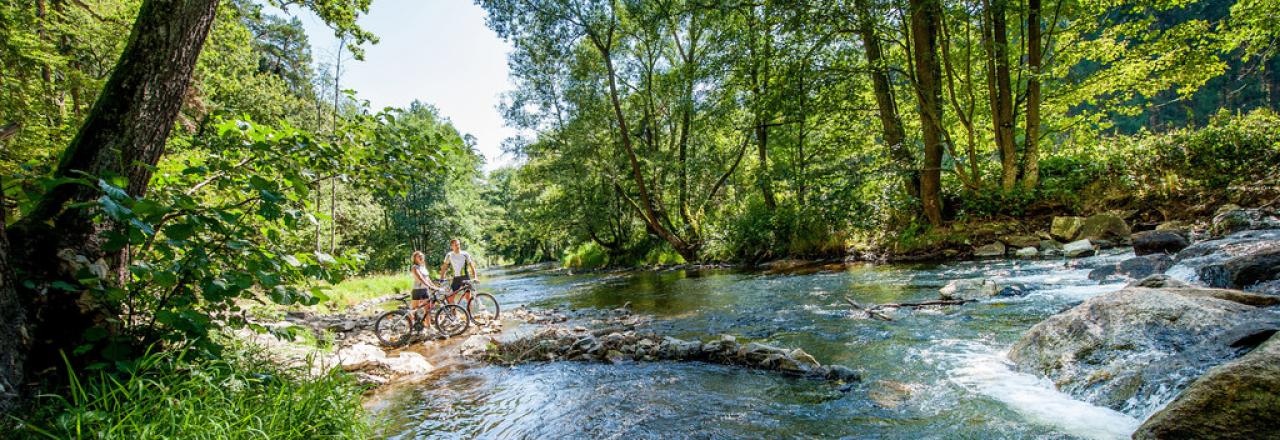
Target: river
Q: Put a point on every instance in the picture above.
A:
(938, 373)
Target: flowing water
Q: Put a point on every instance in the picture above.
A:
(938, 373)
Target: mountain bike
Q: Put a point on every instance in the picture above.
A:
(482, 307)
(395, 328)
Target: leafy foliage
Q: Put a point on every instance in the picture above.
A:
(172, 394)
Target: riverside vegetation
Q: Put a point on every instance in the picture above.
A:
(183, 176)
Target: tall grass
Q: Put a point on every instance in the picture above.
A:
(171, 396)
(353, 291)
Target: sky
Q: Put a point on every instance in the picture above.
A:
(436, 51)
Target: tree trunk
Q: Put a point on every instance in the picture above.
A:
(14, 340)
(646, 206)
(997, 44)
(124, 134)
(925, 21)
(1031, 158)
(759, 103)
(890, 122)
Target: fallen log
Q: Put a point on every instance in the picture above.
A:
(934, 302)
(869, 311)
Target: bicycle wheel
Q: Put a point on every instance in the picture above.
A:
(393, 328)
(483, 309)
(452, 320)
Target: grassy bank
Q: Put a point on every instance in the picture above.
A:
(169, 395)
(353, 291)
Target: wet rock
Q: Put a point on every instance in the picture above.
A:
(975, 289)
(1079, 248)
(366, 357)
(672, 348)
(1050, 248)
(617, 357)
(1128, 350)
(1231, 219)
(1021, 241)
(891, 394)
(1158, 242)
(1267, 288)
(1157, 281)
(1011, 291)
(1066, 228)
(1243, 254)
(408, 362)
(1027, 253)
(1134, 268)
(841, 373)
(475, 345)
(803, 358)
(1260, 264)
(756, 352)
(1238, 400)
(1105, 227)
(993, 250)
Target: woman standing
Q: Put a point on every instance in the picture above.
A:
(422, 284)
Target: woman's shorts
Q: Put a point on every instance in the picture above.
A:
(421, 294)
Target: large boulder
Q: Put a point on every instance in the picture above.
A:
(1066, 228)
(969, 289)
(1238, 260)
(1078, 248)
(1238, 400)
(1130, 350)
(1260, 265)
(992, 250)
(1107, 227)
(1231, 219)
(1158, 242)
(1134, 268)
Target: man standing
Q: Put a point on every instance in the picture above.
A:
(463, 268)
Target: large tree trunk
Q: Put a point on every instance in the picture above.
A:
(124, 135)
(925, 21)
(1031, 154)
(890, 121)
(14, 340)
(760, 57)
(645, 207)
(996, 40)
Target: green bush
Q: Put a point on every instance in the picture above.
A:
(168, 395)
(1232, 149)
(787, 231)
(588, 255)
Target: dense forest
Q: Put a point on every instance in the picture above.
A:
(169, 163)
(756, 130)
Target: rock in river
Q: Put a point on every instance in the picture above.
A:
(1158, 242)
(1130, 350)
(1027, 253)
(975, 289)
(1135, 268)
(1078, 248)
(993, 250)
(1238, 400)
(1244, 260)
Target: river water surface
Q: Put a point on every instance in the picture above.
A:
(938, 373)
